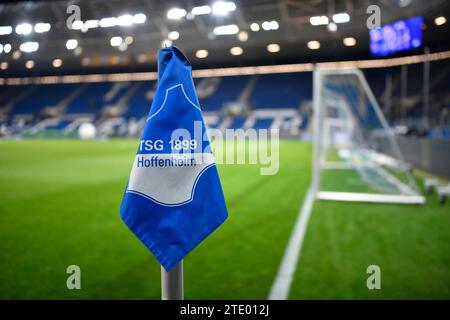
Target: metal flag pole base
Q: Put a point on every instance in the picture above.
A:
(172, 283)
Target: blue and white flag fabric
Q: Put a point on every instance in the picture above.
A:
(173, 198)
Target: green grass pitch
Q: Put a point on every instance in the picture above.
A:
(59, 205)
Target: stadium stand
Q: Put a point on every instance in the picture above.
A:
(291, 89)
(228, 102)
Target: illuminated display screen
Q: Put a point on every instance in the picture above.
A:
(398, 36)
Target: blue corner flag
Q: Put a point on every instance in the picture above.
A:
(173, 198)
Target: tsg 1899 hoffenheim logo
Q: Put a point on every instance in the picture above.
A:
(166, 171)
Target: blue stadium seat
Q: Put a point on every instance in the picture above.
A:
(228, 90)
(138, 104)
(285, 90)
(45, 95)
(237, 123)
(263, 123)
(91, 99)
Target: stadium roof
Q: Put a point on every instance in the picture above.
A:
(131, 32)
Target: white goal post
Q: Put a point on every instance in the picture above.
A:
(349, 128)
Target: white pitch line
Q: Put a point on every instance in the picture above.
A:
(282, 284)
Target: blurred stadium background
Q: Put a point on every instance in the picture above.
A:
(253, 65)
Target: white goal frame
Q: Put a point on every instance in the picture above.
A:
(412, 196)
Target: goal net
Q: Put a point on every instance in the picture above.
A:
(349, 129)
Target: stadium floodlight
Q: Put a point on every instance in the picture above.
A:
(176, 14)
(7, 48)
(24, 28)
(274, 24)
(4, 30)
(254, 27)
(173, 35)
(221, 8)
(56, 63)
(319, 20)
(123, 47)
(16, 54)
(129, 40)
(201, 54)
(270, 25)
(71, 44)
(42, 27)
(439, 21)
(85, 61)
(332, 27)
(29, 46)
(226, 30)
(29, 64)
(139, 18)
(341, 17)
(313, 45)
(91, 24)
(352, 141)
(124, 20)
(115, 41)
(266, 25)
(243, 36)
(273, 47)
(108, 22)
(201, 10)
(236, 51)
(142, 58)
(349, 41)
(77, 25)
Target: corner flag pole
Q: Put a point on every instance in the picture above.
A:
(172, 283)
